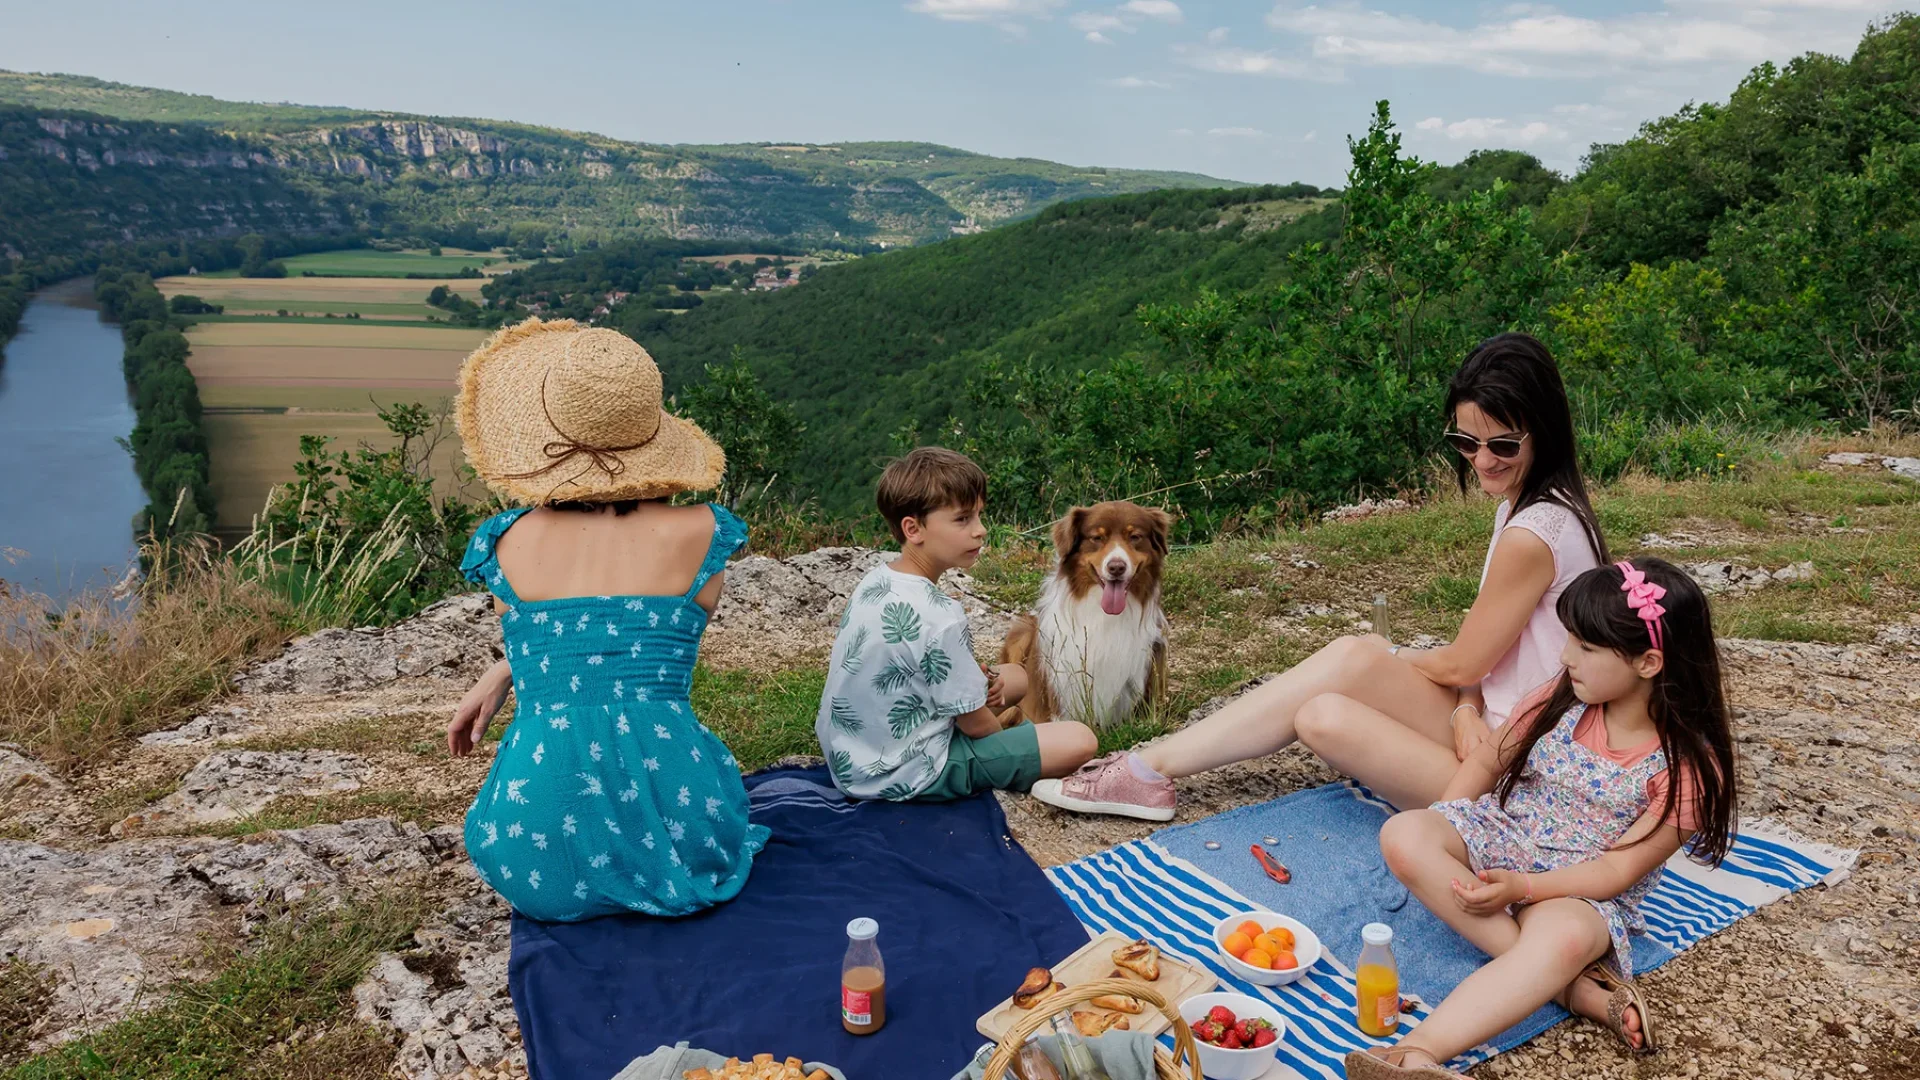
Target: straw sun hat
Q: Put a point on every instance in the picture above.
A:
(554, 411)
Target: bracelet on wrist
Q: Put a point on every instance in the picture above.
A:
(1465, 705)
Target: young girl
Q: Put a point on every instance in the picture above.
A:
(607, 794)
(1552, 833)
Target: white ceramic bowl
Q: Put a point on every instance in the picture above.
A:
(1306, 948)
(1220, 1063)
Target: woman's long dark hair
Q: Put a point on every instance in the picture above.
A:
(1688, 705)
(1513, 379)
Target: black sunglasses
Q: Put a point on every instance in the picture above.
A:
(1503, 446)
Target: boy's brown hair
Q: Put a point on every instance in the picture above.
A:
(928, 479)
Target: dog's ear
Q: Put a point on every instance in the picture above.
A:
(1162, 529)
(1066, 532)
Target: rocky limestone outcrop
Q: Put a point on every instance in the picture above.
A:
(448, 999)
(121, 920)
(454, 639)
(811, 591)
(235, 784)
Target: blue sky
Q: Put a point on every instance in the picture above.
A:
(1247, 90)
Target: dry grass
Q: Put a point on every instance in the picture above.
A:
(76, 684)
(345, 290)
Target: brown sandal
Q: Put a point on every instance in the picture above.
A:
(1378, 1064)
(1621, 997)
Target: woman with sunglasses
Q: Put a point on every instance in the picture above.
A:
(1425, 709)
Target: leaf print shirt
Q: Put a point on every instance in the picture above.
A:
(902, 669)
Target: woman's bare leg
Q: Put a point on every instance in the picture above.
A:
(1401, 766)
(1263, 720)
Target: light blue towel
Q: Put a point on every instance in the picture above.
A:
(1172, 889)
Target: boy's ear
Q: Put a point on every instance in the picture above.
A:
(909, 529)
(1066, 532)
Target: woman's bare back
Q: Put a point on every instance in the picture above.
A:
(655, 550)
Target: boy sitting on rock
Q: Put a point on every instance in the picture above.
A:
(908, 712)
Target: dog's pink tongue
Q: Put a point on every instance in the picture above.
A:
(1113, 597)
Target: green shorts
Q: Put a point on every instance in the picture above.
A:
(1008, 760)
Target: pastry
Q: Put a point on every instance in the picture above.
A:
(1036, 987)
(1092, 1024)
(1140, 957)
(1118, 1002)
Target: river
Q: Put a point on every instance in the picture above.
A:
(68, 493)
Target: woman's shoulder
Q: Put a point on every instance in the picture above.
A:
(486, 537)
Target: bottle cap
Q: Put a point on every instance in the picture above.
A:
(1376, 933)
(862, 929)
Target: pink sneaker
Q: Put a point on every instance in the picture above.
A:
(1108, 786)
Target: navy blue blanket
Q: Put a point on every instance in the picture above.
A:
(963, 914)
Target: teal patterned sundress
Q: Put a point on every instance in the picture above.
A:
(607, 794)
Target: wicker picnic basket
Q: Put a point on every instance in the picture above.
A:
(1167, 1066)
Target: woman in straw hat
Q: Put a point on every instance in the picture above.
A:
(607, 793)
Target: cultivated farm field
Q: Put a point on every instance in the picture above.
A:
(266, 380)
(365, 262)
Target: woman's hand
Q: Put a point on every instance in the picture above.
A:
(1492, 892)
(476, 710)
(1469, 730)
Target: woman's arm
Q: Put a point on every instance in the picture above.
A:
(477, 708)
(1520, 574)
(1602, 878)
(1469, 722)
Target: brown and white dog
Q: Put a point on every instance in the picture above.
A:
(1096, 643)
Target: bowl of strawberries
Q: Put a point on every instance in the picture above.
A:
(1238, 1035)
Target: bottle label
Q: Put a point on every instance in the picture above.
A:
(856, 1006)
(1387, 1007)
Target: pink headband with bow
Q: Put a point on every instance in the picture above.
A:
(1643, 597)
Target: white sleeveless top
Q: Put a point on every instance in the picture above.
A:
(1535, 657)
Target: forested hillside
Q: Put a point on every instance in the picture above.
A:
(471, 181)
(1735, 269)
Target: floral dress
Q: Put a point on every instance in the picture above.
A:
(1569, 806)
(607, 794)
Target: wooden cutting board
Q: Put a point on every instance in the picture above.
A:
(1179, 980)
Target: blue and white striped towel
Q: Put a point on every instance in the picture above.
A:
(1172, 890)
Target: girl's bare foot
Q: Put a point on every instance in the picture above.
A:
(1590, 999)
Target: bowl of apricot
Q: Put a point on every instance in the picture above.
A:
(1266, 947)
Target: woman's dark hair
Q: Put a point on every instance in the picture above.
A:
(620, 507)
(1513, 379)
(1688, 705)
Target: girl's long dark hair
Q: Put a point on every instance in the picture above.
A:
(1513, 379)
(1688, 706)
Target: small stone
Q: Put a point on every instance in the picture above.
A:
(1211, 845)
(1270, 840)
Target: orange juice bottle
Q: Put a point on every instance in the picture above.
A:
(1377, 982)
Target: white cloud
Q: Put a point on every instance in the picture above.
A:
(1098, 38)
(1003, 12)
(1494, 130)
(1237, 133)
(1164, 10)
(1233, 60)
(1093, 21)
(1135, 82)
(1217, 36)
(1532, 40)
(1181, 132)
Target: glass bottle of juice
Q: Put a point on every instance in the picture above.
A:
(1380, 624)
(1377, 982)
(863, 980)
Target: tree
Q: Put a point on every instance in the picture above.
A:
(757, 432)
